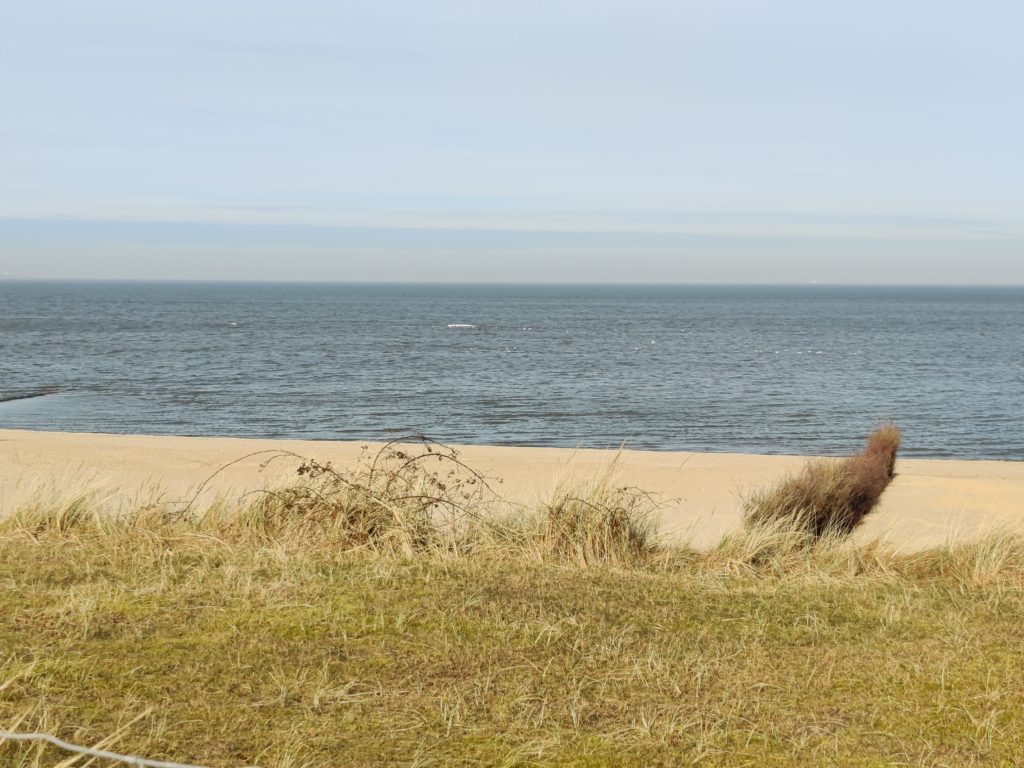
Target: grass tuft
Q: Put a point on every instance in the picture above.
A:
(830, 497)
(600, 523)
(71, 512)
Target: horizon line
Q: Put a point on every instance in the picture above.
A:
(488, 283)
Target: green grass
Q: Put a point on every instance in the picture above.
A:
(295, 630)
(284, 656)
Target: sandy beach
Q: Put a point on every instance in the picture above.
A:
(930, 502)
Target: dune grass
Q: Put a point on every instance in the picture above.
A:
(301, 628)
(830, 496)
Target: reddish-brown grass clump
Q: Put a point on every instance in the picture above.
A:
(830, 496)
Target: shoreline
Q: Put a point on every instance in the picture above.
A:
(930, 502)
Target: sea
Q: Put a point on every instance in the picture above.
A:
(752, 369)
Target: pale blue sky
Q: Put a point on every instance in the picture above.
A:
(714, 141)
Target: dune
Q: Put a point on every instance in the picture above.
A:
(930, 502)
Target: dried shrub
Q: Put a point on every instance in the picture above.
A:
(830, 496)
(400, 498)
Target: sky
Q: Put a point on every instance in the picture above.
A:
(850, 141)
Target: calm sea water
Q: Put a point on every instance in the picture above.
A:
(749, 369)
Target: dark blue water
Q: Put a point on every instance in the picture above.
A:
(751, 369)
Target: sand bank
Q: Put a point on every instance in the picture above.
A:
(929, 502)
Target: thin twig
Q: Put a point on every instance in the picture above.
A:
(141, 762)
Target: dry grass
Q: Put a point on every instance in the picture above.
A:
(600, 522)
(396, 500)
(828, 496)
(300, 629)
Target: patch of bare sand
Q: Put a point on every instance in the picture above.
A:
(929, 502)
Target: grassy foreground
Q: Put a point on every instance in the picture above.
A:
(251, 636)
